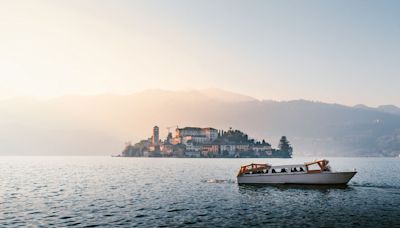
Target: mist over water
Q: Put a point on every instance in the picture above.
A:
(106, 191)
(101, 124)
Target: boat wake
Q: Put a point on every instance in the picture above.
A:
(217, 181)
(371, 185)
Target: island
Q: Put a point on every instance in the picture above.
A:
(196, 142)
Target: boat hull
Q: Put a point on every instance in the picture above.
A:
(324, 178)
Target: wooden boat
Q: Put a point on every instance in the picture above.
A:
(315, 173)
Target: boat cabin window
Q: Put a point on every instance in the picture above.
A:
(297, 169)
(280, 170)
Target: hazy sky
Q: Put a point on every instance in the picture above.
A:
(334, 51)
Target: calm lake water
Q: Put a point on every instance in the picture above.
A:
(148, 192)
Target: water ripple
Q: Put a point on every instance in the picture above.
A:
(107, 192)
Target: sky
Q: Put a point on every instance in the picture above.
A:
(344, 52)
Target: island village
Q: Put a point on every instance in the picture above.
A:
(195, 142)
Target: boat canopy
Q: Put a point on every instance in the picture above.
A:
(252, 168)
(323, 166)
(316, 166)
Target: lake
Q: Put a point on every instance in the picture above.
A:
(150, 192)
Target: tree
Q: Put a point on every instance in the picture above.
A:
(285, 147)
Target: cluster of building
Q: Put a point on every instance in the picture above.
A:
(202, 142)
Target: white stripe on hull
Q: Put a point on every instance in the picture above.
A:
(298, 178)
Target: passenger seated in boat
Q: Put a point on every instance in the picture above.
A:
(283, 170)
(273, 171)
(301, 169)
(294, 170)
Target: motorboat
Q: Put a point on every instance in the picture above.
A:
(315, 173)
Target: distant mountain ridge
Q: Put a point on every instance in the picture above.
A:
(389, 109)
(392, 109)
(99, 125)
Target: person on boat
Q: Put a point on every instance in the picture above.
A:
(273, 171)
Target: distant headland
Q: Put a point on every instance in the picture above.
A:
(196, 142)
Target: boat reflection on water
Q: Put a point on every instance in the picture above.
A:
(283, 187)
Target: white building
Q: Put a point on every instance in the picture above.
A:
(190, 146)
(195, 139)
(210, 133)
(200, 135)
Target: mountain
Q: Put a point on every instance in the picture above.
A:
(389, 109)
(225, 96)
(101, 124)
(392, 109)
